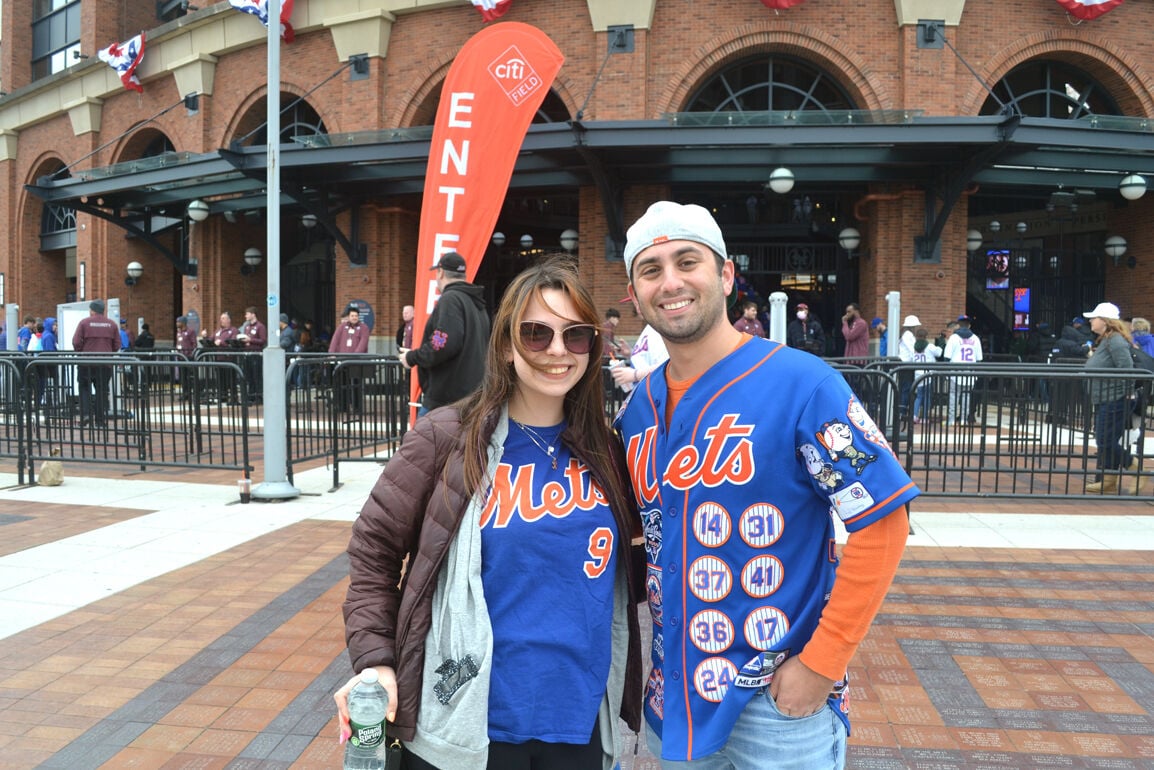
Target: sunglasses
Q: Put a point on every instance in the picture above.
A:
(578, 338)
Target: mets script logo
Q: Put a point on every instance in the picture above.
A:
(515, 75)
(723, 456)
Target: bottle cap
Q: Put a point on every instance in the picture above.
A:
(369, 676)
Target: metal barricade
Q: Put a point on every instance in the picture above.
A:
(345, 408)
(12, 421)
(125, 410)
(1011, 430)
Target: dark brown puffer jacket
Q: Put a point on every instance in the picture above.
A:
(415, 508)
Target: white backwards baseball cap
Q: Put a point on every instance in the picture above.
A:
(669, 221)
(911, 320)
(1105, 310)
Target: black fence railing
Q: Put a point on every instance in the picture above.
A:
(1000, 429)
(1004, 429)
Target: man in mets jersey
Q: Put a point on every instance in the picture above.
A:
(741, 451)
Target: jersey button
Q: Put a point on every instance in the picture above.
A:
(674, 621)
(672, 568)
(672, 513)
(676, 674)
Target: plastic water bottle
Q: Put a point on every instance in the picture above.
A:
(368, 701)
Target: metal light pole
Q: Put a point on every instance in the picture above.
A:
(275, 485)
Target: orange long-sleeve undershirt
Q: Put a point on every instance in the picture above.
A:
(868, 564)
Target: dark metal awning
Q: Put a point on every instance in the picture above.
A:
(332, 173)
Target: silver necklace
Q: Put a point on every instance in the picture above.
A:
(540, 442)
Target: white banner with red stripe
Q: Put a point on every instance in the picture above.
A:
(124, 58)
(1088, 9)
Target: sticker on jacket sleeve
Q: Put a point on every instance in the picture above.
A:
(713, 678)
(761, 525)
(655, 692)
(712, 525)
(765, 627)
(758, 672)
(761, 576)
(821, 471)
(710, 579)
(851, 501)
(838, 440)
(653, 593)
(651, 524)
(711, 631)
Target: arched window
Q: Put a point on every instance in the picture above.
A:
(297, 119)
(552, 109)
(769, 83)
(57, 222)
(1044, 88)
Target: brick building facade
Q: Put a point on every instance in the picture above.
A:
(81, 142)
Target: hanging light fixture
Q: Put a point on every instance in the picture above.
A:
(197, 210)
(1132, 187)
(973, 240)
(568, 240)
(1115, 248)
(849, 239)
(134, 271)
(498, 239)
(781, 180)
(309, 220)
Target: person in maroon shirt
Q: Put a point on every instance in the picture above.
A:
(224, 335)
(350, 336)
(254, 336)
(748, 323)
(186, 346)
(95, 335)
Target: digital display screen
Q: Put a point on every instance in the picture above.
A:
(1021, 309)
(998, 269)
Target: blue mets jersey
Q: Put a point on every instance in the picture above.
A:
(736, 498)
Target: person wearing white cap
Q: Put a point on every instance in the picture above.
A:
(738, 449)
(906, 352)
(1111, 400)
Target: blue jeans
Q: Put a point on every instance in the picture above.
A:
(763, 737)
(1110, 424)
(922, 400)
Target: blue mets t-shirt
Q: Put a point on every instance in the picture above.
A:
(548, 540)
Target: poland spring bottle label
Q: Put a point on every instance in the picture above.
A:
(367, 736)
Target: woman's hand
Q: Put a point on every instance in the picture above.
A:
(388, 680)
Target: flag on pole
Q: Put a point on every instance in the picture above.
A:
(259, 9)
(491, 10)
(494, 88)
(781, 5)
(124, 58)
(1088, 9)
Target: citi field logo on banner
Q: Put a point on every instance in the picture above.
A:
(515, 75)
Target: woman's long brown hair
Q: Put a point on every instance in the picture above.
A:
(1114, 327)
(584, 405)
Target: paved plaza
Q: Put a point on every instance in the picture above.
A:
(150, 620)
